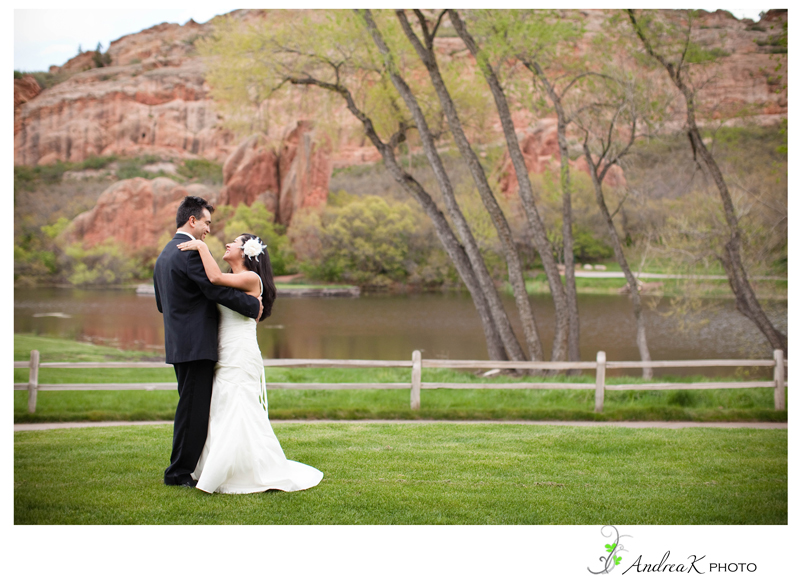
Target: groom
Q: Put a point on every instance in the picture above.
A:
(187, 298)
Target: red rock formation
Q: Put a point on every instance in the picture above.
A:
(25, 89)
(540, 151)
(250, 174)
(79, 63)
(285, 176)
(123, 111)
(153, 98)
(134, 212)
(305, 169)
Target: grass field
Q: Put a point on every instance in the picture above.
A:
(701, 405)
(447, 473)
(708, 288)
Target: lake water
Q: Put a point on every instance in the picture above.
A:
(390, 327)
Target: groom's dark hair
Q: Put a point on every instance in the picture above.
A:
(192, 206)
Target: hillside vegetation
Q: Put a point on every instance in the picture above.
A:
(668, 196)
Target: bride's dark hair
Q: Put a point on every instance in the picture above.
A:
(263, 268)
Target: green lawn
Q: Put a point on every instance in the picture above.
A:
(701, 405)
(707, 288)
(290, 286)
(421, 474)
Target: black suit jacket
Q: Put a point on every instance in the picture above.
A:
(187, 300)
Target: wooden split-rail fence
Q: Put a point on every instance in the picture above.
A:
(416, 384)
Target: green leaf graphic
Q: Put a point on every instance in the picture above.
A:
(609, 548)
(617, 560)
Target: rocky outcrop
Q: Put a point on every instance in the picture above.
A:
(134, 212)
(285, 176)
(539, 147)
(292, 174)
(80, 63)
(251, 174)
(125, 111)
(305, 171)
(154, 99)
(25, 90)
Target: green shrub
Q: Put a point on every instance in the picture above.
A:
(132, 167)
(364, 240)
(55, 229)
(587, 248)
(97, 162)
(101, 60)
(26, 177)
(48, 79)
(104, 264)
(32, 266)
(202, 170)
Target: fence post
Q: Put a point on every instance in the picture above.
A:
(416, 379)
(780, 381)
(600, 382)
(33, 381)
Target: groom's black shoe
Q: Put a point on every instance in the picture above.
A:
(191, 483)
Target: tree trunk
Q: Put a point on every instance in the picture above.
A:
(641, 336)
(515, 274)
(454, 250)
(746, 301)
(571, 292)
(540, 240)
(448, 239)
(573, 337)
(499, 316)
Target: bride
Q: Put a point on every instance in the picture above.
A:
(242, 453)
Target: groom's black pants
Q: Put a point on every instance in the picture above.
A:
(191, 419)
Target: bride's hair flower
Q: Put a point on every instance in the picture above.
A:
(253, 248)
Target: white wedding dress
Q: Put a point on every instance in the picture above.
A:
(242, 453)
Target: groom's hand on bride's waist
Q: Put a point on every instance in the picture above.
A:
(260, 308)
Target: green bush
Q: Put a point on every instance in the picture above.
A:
(55, 229)
(132, 168)
(26, 177)
(97, 162)
(48, 79)
(587, 248)
(364, 240)
(104, 264)
(32, 266)
(327, 250)
(101, 60)
(202, 170)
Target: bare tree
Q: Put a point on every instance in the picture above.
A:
(678, 67)
(602, 132)
(543, 245)
(335, 52)
(426, 53)
(499, 316)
